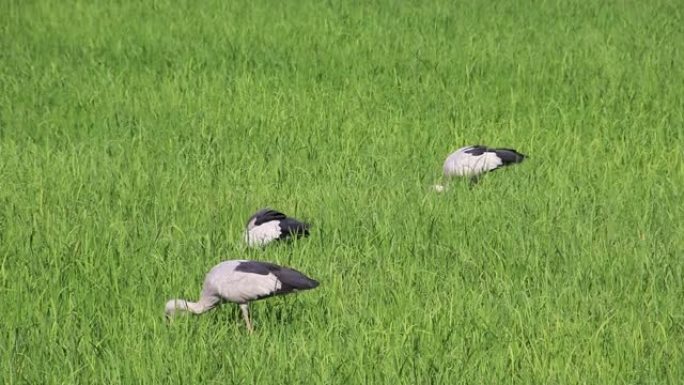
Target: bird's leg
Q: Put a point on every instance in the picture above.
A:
(474, 180)
(245, 314)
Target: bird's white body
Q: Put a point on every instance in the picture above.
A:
(229, 284)
(242, 281)
(472, 161)
(462, 163)
(263, 234)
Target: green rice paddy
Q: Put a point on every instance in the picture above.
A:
(136, 138)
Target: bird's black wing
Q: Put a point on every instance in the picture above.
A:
(290, 279)
(477, 150)
(254, 267)
(509, 155)
(291, 227)
(293, 280)
(266, 215)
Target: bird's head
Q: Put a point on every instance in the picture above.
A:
(175, 306)
(438, 188)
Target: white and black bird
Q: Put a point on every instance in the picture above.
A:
(240, 282)
(473, 161)
(268, 225)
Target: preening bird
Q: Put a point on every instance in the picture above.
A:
(268, 225)
(242, 281)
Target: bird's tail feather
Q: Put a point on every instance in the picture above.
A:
(294, 280)
(291, 226)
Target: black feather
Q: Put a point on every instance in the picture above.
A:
(290, 279)
(291, 227)
(266, 215)
(509, 155)
(477, 150)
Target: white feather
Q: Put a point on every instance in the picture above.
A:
(239, 286)
(263, 234)
(460, 163)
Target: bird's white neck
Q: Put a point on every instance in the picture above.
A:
(181, 305)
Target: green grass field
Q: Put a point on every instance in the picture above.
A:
(136, 138)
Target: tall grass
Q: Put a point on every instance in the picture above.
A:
(136, 139)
